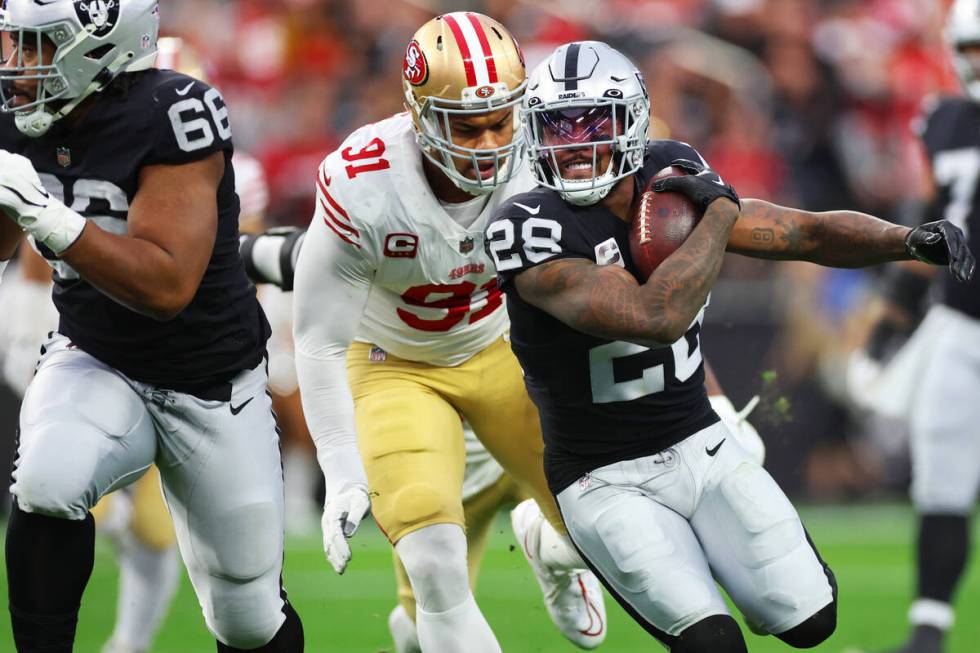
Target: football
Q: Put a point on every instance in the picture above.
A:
(661, 222)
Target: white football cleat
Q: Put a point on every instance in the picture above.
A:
(403, 632)
(573, 597)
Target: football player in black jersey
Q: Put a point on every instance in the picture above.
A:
(120, 174)
(656, 494)
(945, 442)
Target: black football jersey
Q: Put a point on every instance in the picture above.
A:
(149, 118)
(600, 401)
(951, 133)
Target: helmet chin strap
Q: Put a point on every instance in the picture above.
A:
(37, 122)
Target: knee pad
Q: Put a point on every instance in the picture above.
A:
(56, 481)
(247, 544)
(814, 630)
(245, 615)
(288, 639)
(417, 504)
(715, 634)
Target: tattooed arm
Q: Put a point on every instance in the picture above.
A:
(841, 239)
(606, 301)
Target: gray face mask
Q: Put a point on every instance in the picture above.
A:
(56, 55)
(586, 111)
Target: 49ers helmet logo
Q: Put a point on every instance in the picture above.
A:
(416, 67)
(102, 15)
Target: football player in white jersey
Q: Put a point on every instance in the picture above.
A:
(400, 328)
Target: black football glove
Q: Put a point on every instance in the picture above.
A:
(942, 243)
(702, 186)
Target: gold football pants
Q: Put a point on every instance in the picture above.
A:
(411, 439)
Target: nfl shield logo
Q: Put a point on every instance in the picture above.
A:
(377, 355)
(64, 157)
(466, 246)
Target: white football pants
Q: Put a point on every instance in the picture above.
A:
(945, 416)
(86, 429)
(661, 529)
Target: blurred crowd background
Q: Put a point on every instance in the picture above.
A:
(803, 102)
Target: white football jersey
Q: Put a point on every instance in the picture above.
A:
(434, 295)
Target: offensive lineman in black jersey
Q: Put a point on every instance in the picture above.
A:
(121, 176)
(655, 494)
(944, 441)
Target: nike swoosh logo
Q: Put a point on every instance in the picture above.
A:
(534, 211)
(711, 176)
(713, 450)
(237, 409)
(186, 89)
(24, 199)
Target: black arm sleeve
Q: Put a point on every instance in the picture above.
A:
(271, 257)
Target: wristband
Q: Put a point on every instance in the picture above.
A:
(56, 226)
(3, 266)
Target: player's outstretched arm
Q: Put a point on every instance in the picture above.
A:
(606, 301)
(845, 239)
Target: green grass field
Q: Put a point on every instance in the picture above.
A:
(868, 547)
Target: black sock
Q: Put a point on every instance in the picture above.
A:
(49, 561)
(289, 638)
(944, 541)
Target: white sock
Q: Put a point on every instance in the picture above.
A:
(461, 629)
(556, 550)
(147, 582)
(446, 615)
(929, 612)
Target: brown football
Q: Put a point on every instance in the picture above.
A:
(661, 222)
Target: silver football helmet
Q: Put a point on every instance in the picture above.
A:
(585, 103)
(90, 41)
(962, 30)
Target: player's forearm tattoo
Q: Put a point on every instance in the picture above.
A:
(763, 236)
(608, 302)
(832, 238)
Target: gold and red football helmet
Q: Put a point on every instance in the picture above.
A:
(464, 63)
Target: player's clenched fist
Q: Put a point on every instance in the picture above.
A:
(24, 199)
(342, 514)
(942, 243)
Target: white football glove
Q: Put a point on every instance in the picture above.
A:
(737, 422)
(342, 514)
(24, 200)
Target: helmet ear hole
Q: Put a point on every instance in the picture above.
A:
(98, 53)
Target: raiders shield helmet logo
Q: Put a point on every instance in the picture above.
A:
(99, 15)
